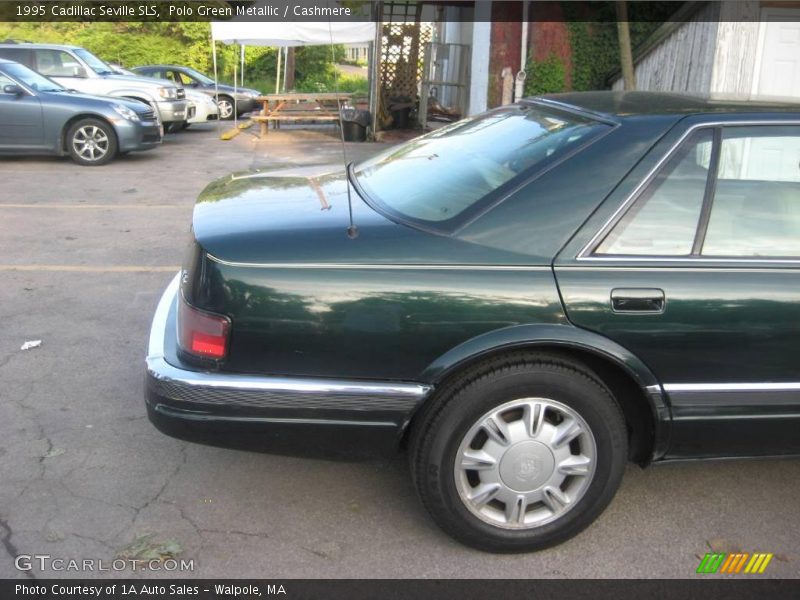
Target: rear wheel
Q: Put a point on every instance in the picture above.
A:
(521, 454)
(91, 142)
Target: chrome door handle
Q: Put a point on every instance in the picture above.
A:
(638, 300)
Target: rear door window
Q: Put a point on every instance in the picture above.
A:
(56, 63)
(756, 207)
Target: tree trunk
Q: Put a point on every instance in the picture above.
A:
(625, 52)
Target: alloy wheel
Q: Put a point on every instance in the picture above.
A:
(225, 108)
(525, 463)
(90, 143)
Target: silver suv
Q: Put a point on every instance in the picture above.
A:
(77, 68)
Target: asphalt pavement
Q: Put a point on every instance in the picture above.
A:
(86, 253)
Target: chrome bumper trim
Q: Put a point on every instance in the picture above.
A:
(168, 381)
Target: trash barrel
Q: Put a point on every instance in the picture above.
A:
(400, 117)
(354, 124)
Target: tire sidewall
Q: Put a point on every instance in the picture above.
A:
(585, 396)
(113, 146)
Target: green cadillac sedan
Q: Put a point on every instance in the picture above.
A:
(523, 301)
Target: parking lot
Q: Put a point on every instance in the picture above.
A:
(86, 253)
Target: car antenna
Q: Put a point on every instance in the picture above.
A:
(352, 230)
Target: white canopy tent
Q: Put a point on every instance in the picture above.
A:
(291, 34)
(286, 35)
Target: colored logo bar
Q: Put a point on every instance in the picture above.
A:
(734, 563)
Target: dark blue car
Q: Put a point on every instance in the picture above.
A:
(39, 116)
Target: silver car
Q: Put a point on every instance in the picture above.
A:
(39, 116)
(77, 68)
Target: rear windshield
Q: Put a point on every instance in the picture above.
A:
(443, 178)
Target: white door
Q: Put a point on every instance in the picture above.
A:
(779, 69)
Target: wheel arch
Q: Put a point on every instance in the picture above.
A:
(62, 145)
(635, 387)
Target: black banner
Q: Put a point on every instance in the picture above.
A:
(372, 589)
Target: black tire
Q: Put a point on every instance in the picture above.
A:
(227, 108)
(185, 125)
(438, 434)
(91, 142)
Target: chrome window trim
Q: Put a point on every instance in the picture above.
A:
(586, 253)
(378, 266)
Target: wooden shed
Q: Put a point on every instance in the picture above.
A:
(743, 49)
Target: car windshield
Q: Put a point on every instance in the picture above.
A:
(97, 65)
(32, 79)
(442, 178)
(199, 76)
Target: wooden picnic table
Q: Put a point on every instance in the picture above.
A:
(299, 106)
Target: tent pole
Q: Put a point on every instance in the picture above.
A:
(216, 80)
(374, 70)
(278, 73)
(285, 64)
(235, 107)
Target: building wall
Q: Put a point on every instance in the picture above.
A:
(479, 64)
(737, 46)
(506, 46)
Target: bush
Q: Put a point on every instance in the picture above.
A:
(548, 76)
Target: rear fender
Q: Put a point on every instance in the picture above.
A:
(564, 338)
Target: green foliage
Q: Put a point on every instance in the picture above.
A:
(189, 44)
(546, 76)
(354, 84)
(595, 43)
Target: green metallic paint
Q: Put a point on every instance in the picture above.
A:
(724, 322)
(384, 324)
(399, 304)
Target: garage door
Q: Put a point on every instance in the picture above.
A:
(779, 71)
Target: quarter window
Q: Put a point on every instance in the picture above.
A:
(663, 221)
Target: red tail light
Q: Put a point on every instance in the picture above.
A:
(202, 333)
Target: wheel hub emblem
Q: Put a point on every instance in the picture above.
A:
(528, 467)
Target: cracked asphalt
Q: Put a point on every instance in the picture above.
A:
(86, 253)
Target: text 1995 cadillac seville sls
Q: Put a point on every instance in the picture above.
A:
(530, 298)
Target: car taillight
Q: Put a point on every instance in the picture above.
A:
(202, 333)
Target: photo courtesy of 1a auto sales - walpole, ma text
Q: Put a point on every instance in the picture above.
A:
(426, 299)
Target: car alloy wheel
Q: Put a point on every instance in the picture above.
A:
(518, 453)
(525, 463)
(91, 142)
(225, 108)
